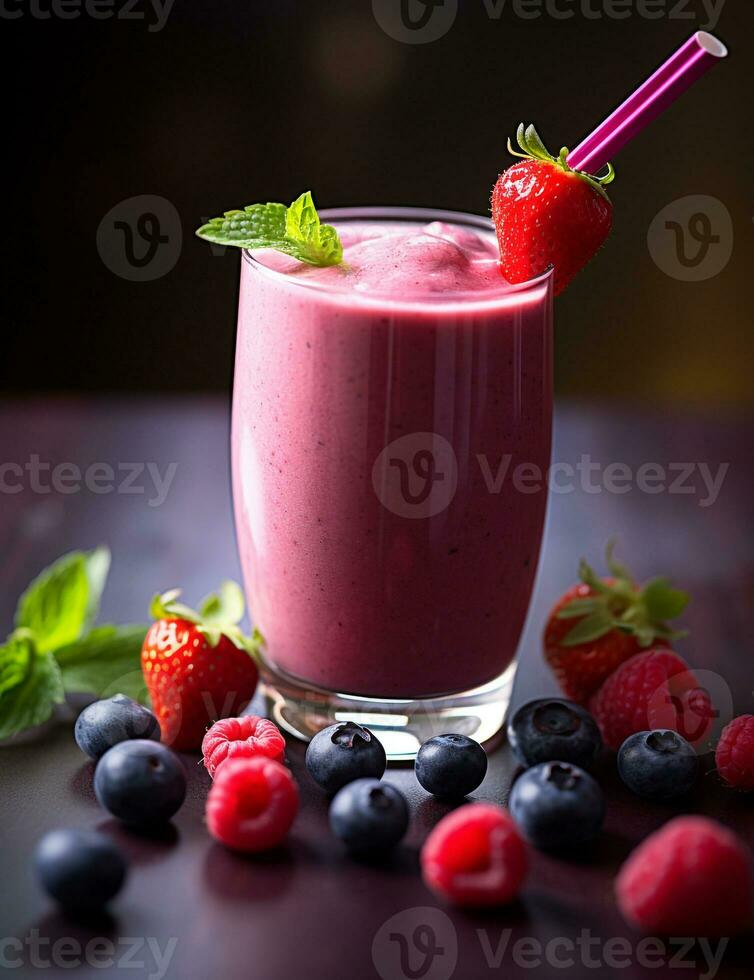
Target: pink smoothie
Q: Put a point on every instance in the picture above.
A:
(381, 409)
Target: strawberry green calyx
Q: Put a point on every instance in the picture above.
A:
(533, 148)
(619, 603)
(218, 615)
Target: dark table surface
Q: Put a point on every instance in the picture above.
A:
(191, 909)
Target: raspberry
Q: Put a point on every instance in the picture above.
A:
(734, 756)
(252, 804)
(693, 877)
(475, 856)
(245, 737)
(654, 689)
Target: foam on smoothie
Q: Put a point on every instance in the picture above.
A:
(395, 260)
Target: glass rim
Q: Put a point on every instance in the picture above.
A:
(376, 213)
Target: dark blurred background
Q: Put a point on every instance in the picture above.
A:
(212, 105)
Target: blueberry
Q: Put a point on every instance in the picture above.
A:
(451, 766)
(369, 815)
(140, 782)
(341, 753)
(657, 765)
(81, 870)
(106, 723)
(551, 729)
(556, 805)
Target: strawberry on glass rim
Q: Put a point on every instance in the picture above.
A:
(554, 210)
(600, 623)
(547, 214)
(198, 666)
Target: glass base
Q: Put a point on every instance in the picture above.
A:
(402, 725)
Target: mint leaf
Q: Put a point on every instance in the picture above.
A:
(104, 662)
(63, 600)
(30, 688)
(254, 227)
(319, 244)
(295, 230)
(15, 661)
(97, 570)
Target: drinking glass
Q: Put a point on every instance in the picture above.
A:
(389, 478)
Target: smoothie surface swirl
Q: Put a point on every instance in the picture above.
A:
(403, 259)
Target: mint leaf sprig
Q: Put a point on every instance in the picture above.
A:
(55, 648)
(295, 230)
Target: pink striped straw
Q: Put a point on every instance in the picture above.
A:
(679, 72)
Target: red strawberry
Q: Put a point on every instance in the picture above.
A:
(198, 666)
(602, 622)
(654, 689)
(547, 214)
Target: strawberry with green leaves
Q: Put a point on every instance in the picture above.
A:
(198, 665)
(547, 214)
(602, 622)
